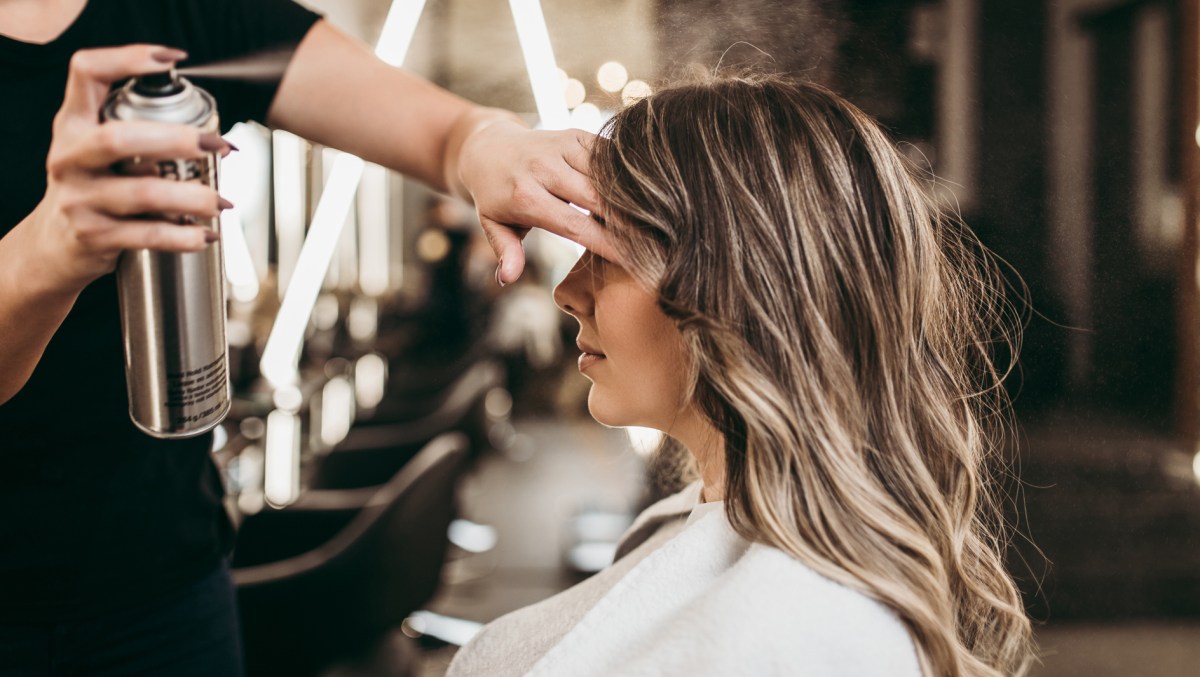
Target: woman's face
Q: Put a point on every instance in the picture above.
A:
(631, 351)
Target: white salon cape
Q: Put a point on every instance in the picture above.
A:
(688, 596)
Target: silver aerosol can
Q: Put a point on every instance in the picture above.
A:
(172, 305)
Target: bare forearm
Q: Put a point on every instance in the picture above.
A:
(335, 92)
(338, 94)
(30, 311)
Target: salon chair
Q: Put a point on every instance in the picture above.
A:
(419, 375)
(372, 453)
(460, 405)
(324, 580)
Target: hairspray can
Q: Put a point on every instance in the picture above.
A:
(172, 305)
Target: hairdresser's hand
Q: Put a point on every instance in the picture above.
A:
(88, 214)
(522, 179)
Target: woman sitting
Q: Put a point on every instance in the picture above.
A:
(790, 305)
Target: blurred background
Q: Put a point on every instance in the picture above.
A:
(410, 455)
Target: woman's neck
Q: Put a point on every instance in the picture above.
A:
(707, 446)
(38, 21)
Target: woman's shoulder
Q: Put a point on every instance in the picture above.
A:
(742, 608)
(791, 580)
(753, 608)
(802, 615)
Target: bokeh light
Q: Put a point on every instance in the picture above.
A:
(574, 92)
(636, 89)
(612, 76)
(587, 116)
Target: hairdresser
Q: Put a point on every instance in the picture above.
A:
(113, 544)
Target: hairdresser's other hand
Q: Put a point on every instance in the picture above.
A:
(521, 179)
(88, 214)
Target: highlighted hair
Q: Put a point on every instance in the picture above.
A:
(841, 329)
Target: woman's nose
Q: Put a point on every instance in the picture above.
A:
(574, 294)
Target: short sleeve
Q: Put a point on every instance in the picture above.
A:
(222, 30)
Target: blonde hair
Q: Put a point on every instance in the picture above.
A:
(841, 330)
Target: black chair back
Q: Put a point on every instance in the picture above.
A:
(337, 599)
(372, 453)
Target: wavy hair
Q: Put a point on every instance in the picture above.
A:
(842, 331)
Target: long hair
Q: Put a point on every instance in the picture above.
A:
(841, 329)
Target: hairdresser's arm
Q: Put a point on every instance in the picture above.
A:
(85, 219)
(335, 92)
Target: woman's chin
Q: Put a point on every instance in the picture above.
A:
(608, 412)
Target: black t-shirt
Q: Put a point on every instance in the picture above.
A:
(95, 514)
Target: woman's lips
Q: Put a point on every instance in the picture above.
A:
(590, 354)
(587, 360)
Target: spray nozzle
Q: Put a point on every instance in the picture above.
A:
(165, 83)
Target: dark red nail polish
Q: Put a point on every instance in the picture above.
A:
(211, 236)
(168, 55)
(231, 146)
(223, 204)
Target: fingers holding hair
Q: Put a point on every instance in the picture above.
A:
(574, 183)
(558, 217)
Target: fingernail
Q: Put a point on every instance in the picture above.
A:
(231, 146)
(212, 141)
(211, 236)
(168, 55)
(499, 280)
(223, 204)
